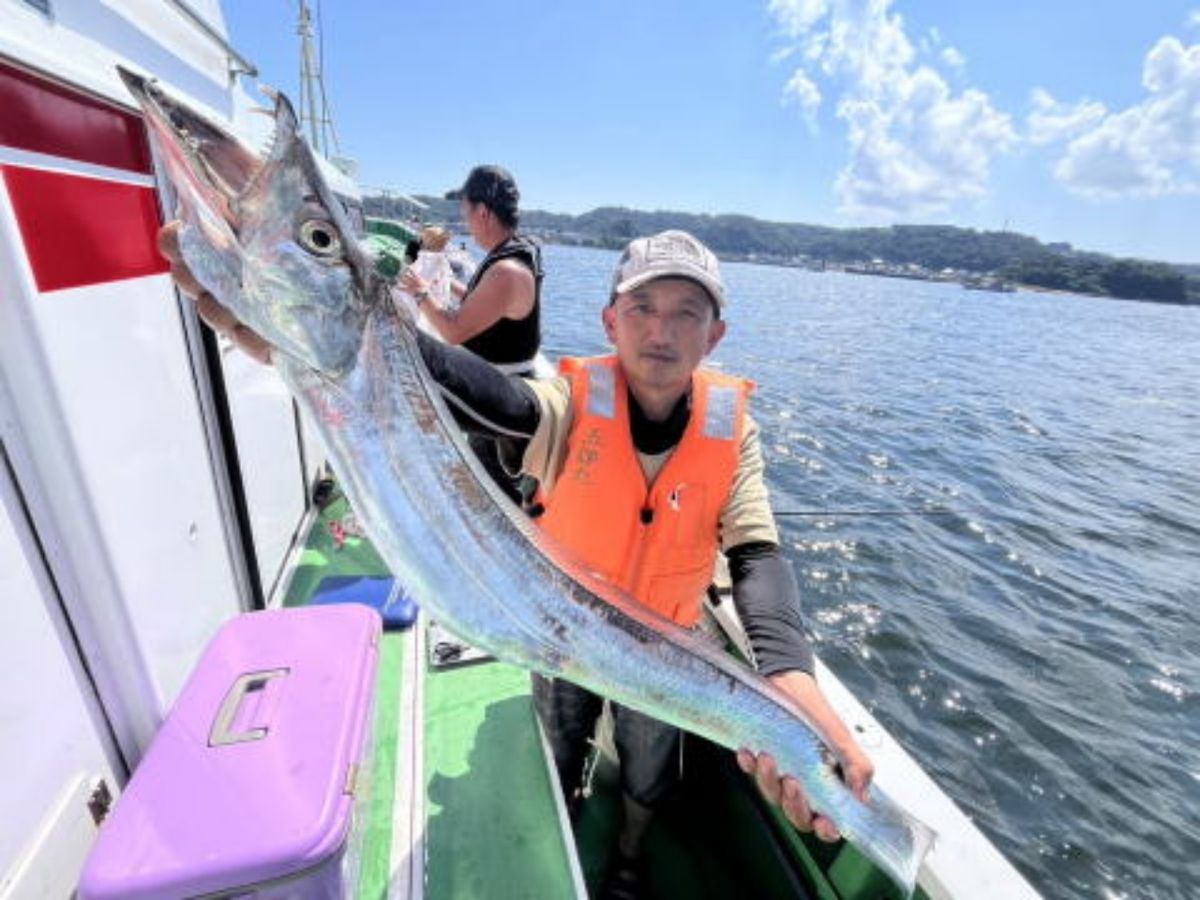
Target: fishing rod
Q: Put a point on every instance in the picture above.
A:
(941, 511)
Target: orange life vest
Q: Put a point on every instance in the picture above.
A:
(658, 543)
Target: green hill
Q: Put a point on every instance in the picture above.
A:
(934, 248)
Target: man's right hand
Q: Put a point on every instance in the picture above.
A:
(216, 316)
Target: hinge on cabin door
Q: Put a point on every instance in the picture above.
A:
(100, 801)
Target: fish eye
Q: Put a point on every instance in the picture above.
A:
(319, 238)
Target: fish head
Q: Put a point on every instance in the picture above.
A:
(265, 235)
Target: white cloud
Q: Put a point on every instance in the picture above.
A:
(1193, 19)
(798, 16)
(804, 91)
(915, 147)
(1051, 121)
(933, 45)
(952, 57)
(1151, 148)
(930, 41)
(782, 54)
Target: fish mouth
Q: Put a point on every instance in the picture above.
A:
(244, 239)
(227, 167)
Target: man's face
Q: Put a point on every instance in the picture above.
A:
(661, 331)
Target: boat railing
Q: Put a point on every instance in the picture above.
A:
(238, 64)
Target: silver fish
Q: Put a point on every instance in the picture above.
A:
(272, 243)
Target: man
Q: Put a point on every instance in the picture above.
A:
(499, 314)
(646, 452)
(498, 317)
(685, 488)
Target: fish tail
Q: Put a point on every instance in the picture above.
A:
(894, 840)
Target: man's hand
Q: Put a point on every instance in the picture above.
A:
(216, 316)
(412, 283)
(783, 790)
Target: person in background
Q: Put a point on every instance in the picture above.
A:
(434, 238)
(499, 314)
(633, 450)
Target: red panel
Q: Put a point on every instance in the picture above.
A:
(44, 117)
(81, 231)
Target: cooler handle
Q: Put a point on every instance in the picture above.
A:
(221, 733)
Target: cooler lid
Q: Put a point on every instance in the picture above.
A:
(251, 777)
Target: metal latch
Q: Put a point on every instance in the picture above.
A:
(350, 786)
(100, 802)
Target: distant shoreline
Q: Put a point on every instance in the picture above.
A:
(925, 252)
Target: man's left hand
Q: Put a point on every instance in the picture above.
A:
(785, 792)
(856, 768)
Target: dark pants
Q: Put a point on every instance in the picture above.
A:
(648, 749)
(486, 450)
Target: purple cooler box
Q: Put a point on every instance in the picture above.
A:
(251, 786)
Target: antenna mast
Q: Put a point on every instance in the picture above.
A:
(315, 113)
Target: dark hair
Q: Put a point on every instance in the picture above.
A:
(495, 188)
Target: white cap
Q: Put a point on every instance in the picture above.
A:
(670, 254)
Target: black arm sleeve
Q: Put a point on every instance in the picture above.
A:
(483, 400)
(767, 598)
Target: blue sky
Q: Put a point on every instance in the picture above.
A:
(1072, 121)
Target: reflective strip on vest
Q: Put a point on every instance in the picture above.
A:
(602, 391)
(721, 414)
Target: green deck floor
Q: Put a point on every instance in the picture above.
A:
(322, 557)
(377, 842)
(492, 817)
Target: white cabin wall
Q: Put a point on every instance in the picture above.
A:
(119, 362)
(55, 745)
(45, 465)
(81, 41)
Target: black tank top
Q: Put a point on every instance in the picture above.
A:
(511, 340)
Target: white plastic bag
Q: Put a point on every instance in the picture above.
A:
(434, 270)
